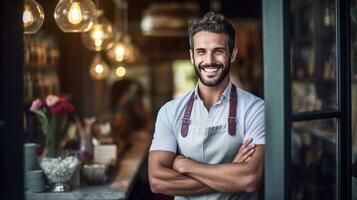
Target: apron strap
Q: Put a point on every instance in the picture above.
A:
(186, 118)
(232, 125)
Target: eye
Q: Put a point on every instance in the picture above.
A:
(219, 52)
(200, 52)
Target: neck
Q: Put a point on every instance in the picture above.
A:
(211, 95)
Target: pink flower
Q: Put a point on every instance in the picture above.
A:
(51, 100)
(36, 104)
(62, 106)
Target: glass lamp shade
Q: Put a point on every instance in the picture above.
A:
(99, 70)
(120, 71)
(32, 16)
(100, 36)
(122, 50)
(75, 15)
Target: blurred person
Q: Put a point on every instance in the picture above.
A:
(209, 143)
(129, 113)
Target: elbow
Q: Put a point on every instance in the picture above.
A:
(157, 186)
(154, 185)
(252, 183)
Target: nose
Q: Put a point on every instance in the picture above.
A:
(210, 58)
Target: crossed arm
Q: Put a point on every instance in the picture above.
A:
(176, 175)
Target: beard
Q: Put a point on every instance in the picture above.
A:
(223, 73)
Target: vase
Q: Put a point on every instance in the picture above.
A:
(59, 168)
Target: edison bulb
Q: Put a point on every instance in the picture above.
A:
(120, 71)
(75, 15)
(32, 16)
(100, 36)
(117, 53)
(99, 70)
(27, 17)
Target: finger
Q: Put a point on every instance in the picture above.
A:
(245, 157)
(247, 149)
(247, 142)
(243, 150)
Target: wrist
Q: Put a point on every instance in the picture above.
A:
(184, 166)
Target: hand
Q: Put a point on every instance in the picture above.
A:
(245, 152)
(178, 164)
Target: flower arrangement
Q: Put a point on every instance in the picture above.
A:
(52, 112)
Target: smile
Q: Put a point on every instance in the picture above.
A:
(210, 69)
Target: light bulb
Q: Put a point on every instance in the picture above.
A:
(100, 36)
(99, 70)
(75, 13)
(119, 50)
(120, 71)
(32, 16)
(97, 33)
(27, 17)
(98, 43)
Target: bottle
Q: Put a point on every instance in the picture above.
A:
(85, 144)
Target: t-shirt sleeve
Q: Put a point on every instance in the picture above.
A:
(255, 123)
(164, 138)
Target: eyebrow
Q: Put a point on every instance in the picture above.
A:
(215, 49)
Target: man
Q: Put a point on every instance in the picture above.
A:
(198, 151)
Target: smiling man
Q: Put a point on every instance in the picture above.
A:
(209, 143)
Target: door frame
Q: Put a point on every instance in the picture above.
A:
(277, 90)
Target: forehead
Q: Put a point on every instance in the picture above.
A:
(205, 39)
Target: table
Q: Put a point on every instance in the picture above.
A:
(119, 188)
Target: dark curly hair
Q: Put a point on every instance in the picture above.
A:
(215, 23)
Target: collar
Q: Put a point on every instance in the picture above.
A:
(225, 94)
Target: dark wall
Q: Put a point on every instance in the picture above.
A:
(11, 105)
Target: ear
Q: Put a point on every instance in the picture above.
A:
(234, 54)
(191, 56)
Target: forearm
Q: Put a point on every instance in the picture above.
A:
(229, 177)
(170, 182)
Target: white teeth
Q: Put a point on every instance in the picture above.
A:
(210, 69)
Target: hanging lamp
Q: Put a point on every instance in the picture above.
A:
(100, 36)
(123, 48)
(98, 70)
(120, 71)
(32, 16)
(75, 15)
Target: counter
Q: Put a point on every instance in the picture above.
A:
(119, 188)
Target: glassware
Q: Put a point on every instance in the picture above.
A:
(32, 17)
(75, 15)
(59, 168)
(100, 36)
(99, 70)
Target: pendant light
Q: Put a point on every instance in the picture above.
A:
(100, 36)
(32, 16)
(123, 49)
(99, 70)
(75, 15)
(120, 71)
